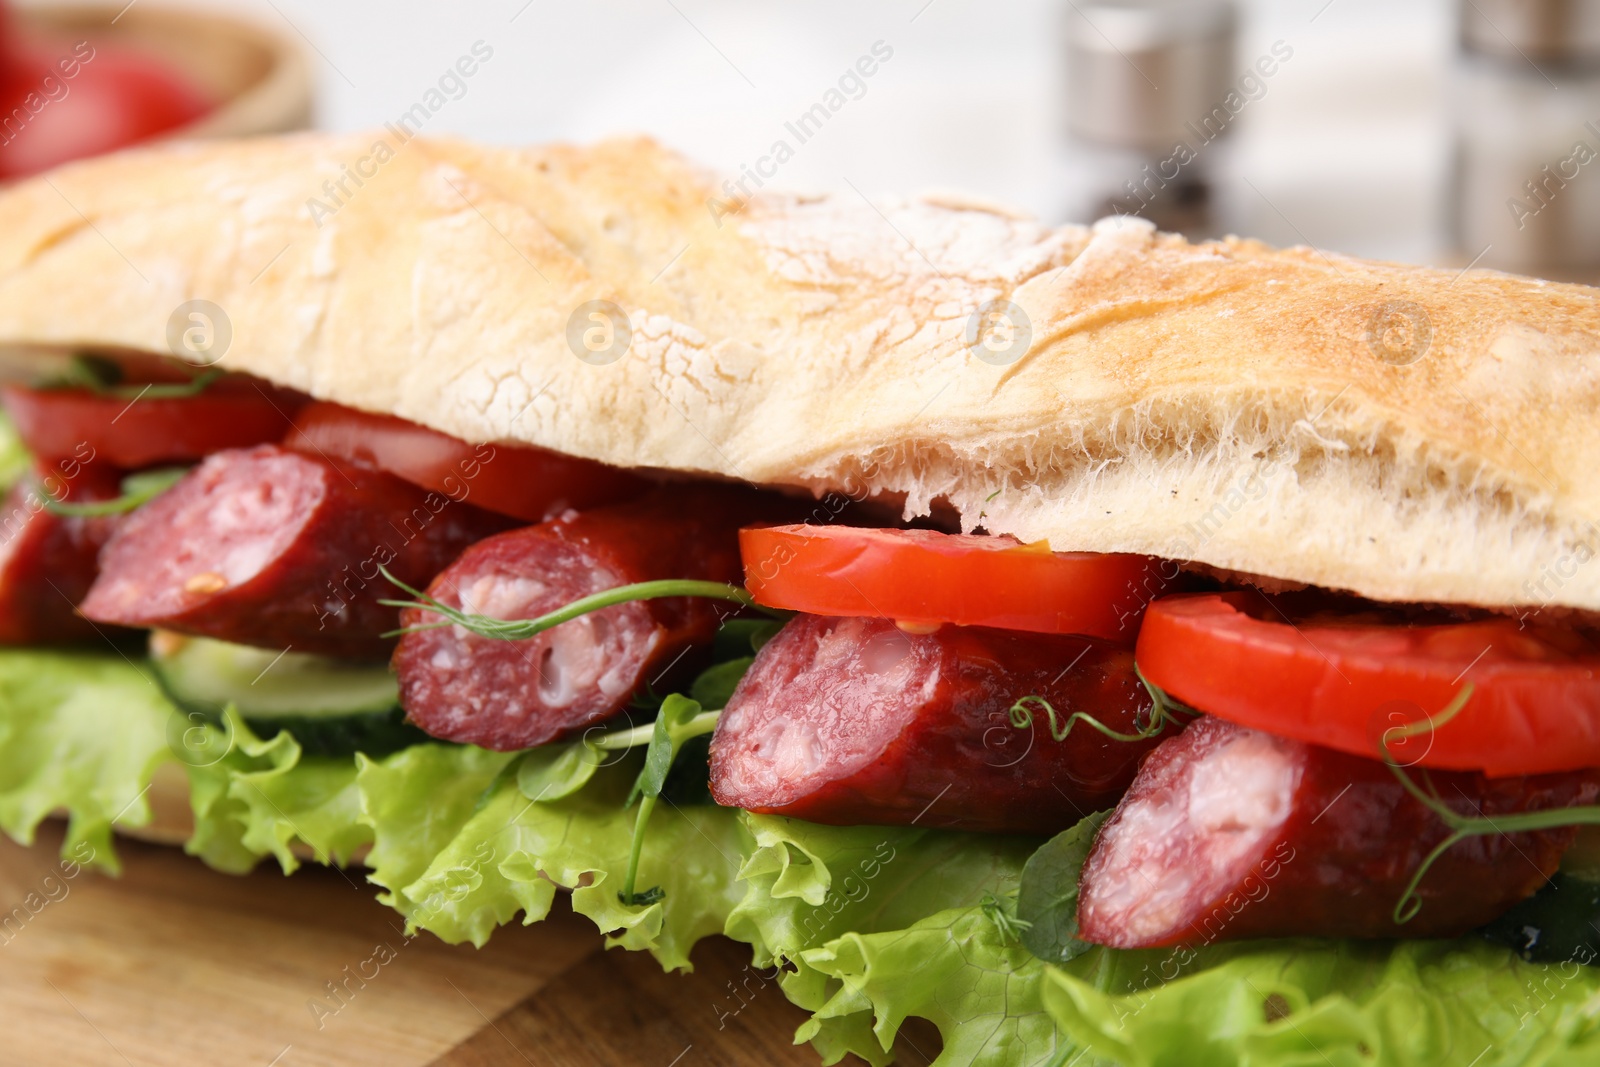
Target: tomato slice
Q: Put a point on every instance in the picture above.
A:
(923, 578)
(136, 431)
(1351, 681)
(523, 482)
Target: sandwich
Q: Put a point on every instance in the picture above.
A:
(1104, 647)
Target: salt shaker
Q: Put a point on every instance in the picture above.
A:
(1148, 109)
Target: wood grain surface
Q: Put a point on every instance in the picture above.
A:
(174, 964)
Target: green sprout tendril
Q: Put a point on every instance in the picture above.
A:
(137, 489)
(1164, 712)
(679, 718)
(1465, 826)
(521, 629)
(103, 377)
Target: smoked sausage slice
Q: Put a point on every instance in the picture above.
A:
(268, 547)
(854, 720)
(47, 561)
(1229, 833)
(507, 695)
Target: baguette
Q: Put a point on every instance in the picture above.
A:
(1302, 417)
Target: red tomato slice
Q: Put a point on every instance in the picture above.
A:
(133, 432)
(1351, 681)
(86, 101)
(922, 577)
(526, 483)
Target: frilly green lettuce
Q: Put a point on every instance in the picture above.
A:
(252, 798)
(952, 968)
(820, 900)
(501, 853)
(416, 801)
(868, 925)
(1309, 1003)
(81, 733)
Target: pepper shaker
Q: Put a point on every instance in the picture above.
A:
(1524, 187)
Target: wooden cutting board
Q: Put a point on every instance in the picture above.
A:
(173, 964)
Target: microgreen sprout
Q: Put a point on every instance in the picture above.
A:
(1164, 712)
(103, 377)
(1465, 826)
(521, 629)
(170, 390)
(558, 772)
(1003, 913)
(137, 489)
(679, 720)
(553, 772)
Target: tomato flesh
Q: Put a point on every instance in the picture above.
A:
(1352, 681)
(133, 432)
(523, 482)
(923, 577)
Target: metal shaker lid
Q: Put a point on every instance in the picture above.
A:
(1137, 70)
(1554, 31)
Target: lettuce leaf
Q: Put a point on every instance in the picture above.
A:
(416, 802)
(14, 458)
(808, 885)
(954, 969)
(868, 925)
(260, 798)
(489, 852)
(81, 733)
(1309, 1003)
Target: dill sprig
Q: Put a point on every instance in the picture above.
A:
(521, 629)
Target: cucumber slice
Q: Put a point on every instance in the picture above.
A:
(332, 707)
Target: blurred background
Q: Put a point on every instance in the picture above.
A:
(1445, 132)
(1400, 129)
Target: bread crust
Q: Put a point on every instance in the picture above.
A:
(1246, 408)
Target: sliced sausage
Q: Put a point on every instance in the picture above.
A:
(1232, 833)
(508, 695)
(47, 561)
(274, 548)
(853, 720)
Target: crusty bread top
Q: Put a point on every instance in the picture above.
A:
(1407, 434)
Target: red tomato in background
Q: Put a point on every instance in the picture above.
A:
(5, 43)
(8, 63)
(65, 102)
